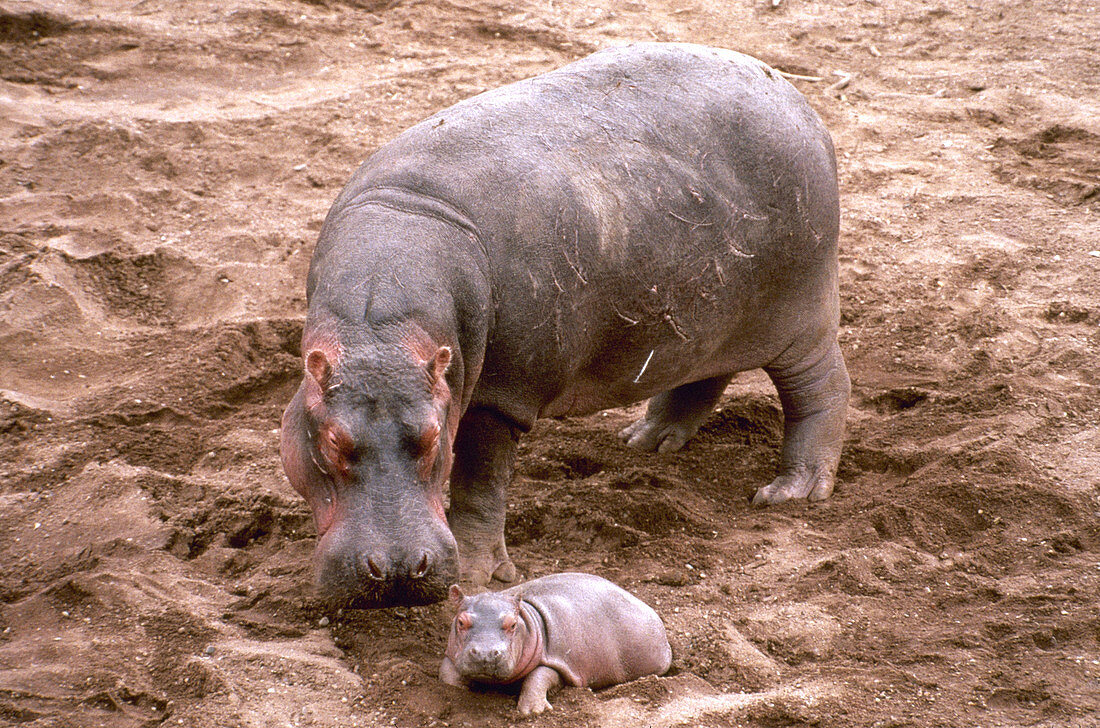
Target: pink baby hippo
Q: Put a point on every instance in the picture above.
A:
(573, 629)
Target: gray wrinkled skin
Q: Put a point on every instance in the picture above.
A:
(643, 223)
(573, 629)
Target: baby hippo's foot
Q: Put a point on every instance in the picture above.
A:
(532, 698)
(533, 704)
(815, 484)
(674, 417)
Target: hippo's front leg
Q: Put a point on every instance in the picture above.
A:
(532, 697)
(815, 406)
(449, 674)
(485, 453)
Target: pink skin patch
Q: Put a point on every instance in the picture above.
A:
(434, 360)
(305, 474)
(337, 449)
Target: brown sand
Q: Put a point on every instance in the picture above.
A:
(164, 169)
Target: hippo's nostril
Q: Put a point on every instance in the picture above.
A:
(422, 567)
(374, 570)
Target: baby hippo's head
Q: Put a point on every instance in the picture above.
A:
(490, 642)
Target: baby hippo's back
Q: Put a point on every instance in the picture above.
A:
(597, 634)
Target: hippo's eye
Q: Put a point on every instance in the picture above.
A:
(337, 449)
(422, 441)
(508, 624)
(464, 621)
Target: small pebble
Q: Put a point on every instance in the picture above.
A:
(323, 621)
(210, 649)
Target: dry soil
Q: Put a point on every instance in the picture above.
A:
(164, 169)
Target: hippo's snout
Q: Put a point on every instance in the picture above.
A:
(489, 663)
(485, 655)
(356, 571)
(382, 567)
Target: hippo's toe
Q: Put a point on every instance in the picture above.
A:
(533, 704)
(811, 484)
(651, 436)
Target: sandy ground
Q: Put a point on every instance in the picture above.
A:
(164, 169)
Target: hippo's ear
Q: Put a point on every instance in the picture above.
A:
(456, 594)
(438, 364)
(319, 367)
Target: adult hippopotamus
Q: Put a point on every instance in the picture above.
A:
(576, 629)
(642, 223)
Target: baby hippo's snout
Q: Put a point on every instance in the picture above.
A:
(484, 661)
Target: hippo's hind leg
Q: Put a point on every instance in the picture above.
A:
(673, 417)
(485, 453)
(814, 395)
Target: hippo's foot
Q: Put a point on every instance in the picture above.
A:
(810, 483)
(449, 674)
(673, 417)
(815, 404)
(532, 698)
(482, 560)
(533, 704)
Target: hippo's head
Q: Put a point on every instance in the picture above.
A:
(367, 442)
(492, 640)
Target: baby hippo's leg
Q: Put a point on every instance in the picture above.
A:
(449, 674)
(532, 698)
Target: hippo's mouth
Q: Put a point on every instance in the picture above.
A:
(489, 675)
(379, 595)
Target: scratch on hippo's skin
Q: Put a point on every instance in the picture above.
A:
(318, 465)
(557, 285)
(620, 314)
(690, 222)
(675, 327)
(577, 251)
(637, 378)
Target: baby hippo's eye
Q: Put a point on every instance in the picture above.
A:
(508, 624)
(464, 621)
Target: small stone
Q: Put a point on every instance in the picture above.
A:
(323, 621)
(210, 649)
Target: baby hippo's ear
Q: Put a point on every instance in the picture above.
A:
(456, 594)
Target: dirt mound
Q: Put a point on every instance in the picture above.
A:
(164, 170)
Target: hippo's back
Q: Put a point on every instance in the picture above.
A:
(646, 204)
(685, 124)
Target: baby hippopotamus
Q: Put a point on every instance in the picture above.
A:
(577, 629)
